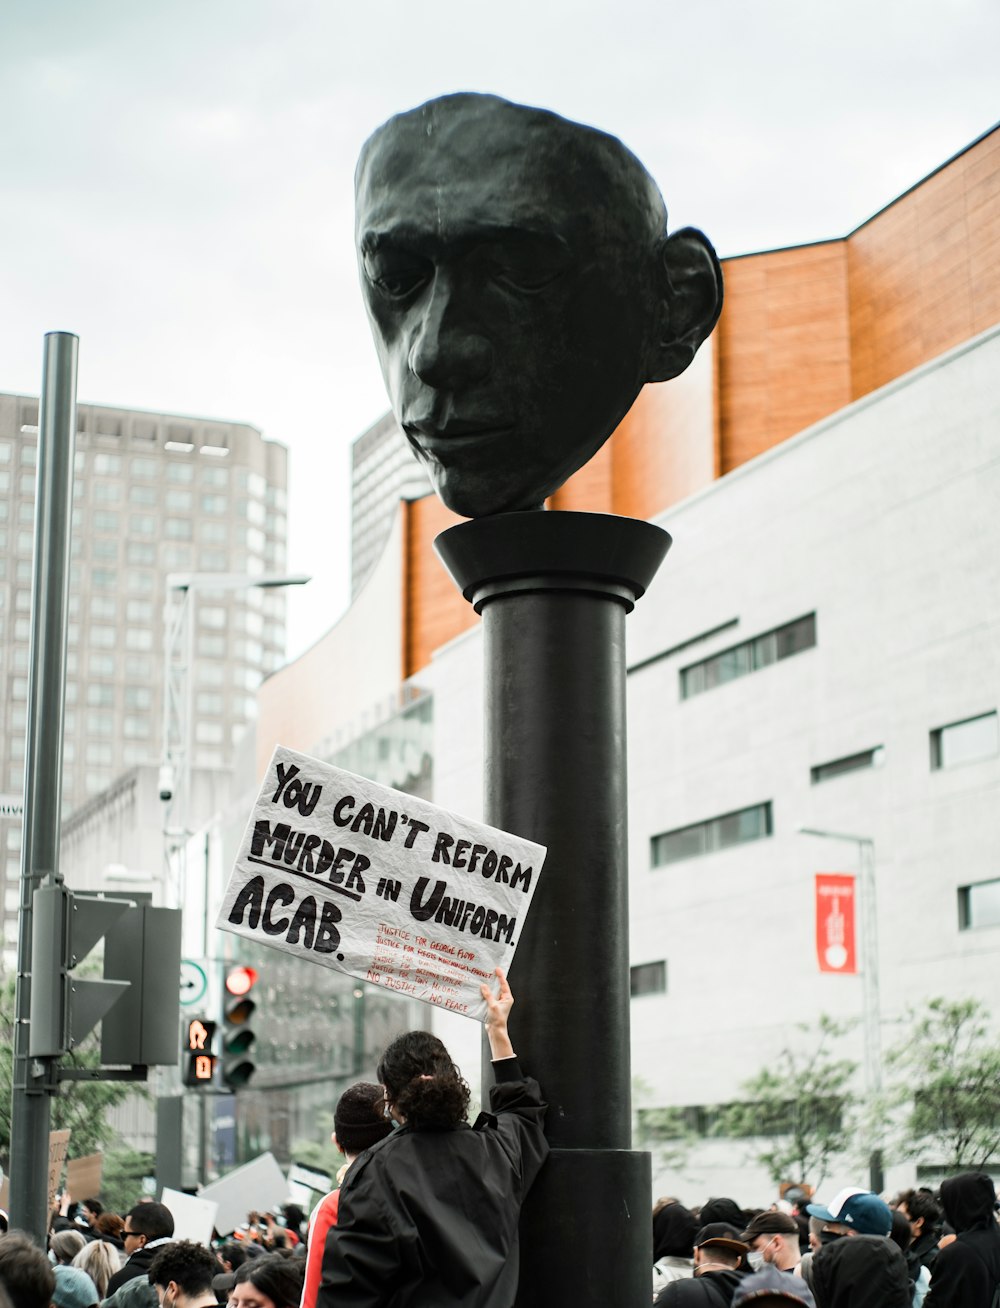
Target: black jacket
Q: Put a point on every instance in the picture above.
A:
(861, 1271)
(709, 1290)
(428, 1219)
(137, 1265)
(967, 1271)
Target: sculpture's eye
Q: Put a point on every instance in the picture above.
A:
(394, 276)
(528, 262)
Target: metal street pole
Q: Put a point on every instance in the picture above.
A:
(176, 763)
(34, 1079)
(870, 997)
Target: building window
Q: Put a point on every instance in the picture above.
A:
(750, 656)
(965, 742)
(139, 552)
(716, 833)
(106, 492)
(180, 472)
(979, 905)
(140, 494)
(867, 758)
(135, 728)
(179, 500)
(178, 528)
(142, 524)
(109, 464)
(648, 979)
(144, 467)
(138, 697)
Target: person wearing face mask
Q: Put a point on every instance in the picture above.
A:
(181, 1274)
(773, 1238)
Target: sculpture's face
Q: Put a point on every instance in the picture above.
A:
(507, 293)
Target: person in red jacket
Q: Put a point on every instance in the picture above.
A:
(359, 1121)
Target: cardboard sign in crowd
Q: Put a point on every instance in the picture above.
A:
(379, 884)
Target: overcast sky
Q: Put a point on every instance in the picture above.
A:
(178, 177)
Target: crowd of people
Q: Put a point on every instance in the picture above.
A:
(925, 1250)
(426, 1212)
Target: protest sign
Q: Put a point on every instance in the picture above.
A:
(379, 884)
(194, 1217)
(256, 1187)
(84, 1176)
(58, 1148)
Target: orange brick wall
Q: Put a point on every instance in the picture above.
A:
(434, 610)
(784, 354)
(924, 272)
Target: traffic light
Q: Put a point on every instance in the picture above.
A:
(237, 1034)
(199, 1057)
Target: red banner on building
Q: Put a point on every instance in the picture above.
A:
(835, 923)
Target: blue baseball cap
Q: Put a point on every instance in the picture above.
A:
(862, 1210)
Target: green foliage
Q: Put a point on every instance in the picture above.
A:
(121, 1183)
(665, 1132)
(795, 1108)
(321, 1154)
(946, 1082)
(80, 1107)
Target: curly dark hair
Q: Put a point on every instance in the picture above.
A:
(191, 1265)
(423, 1083)
(275, 1276)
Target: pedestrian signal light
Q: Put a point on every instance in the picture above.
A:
(199, 1059)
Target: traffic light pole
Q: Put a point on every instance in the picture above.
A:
(34, 1079)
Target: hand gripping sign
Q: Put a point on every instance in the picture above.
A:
(378, 884)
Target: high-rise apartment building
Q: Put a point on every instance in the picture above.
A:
(154, 494)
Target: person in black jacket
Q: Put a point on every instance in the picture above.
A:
(967, 1271)
(861, 1271)
(428, 1216)
(718, 1253)
(147, 1228)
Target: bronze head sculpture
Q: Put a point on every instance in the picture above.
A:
(521, 288)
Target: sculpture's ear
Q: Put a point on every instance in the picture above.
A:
(690, 301)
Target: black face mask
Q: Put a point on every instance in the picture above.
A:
(828, 1237)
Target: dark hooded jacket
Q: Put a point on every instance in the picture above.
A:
(674, 1229)
(861, 1271)
(710, 1290)
(428, 1219)
(967, 1271)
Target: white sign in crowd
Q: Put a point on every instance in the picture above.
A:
(379, 884)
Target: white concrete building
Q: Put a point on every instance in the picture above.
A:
(881, 523)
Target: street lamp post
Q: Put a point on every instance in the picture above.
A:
(178, 735)
(871, 1004)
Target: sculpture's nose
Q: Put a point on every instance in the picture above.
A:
(449, 353)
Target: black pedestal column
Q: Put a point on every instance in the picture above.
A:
(553, 590)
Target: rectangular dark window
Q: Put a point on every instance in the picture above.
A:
(648, 979)
(979, 905)
(750, 656)
(867, 758)
(716, 833)
(965, 742)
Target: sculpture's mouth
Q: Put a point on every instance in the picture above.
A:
(454, 436)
